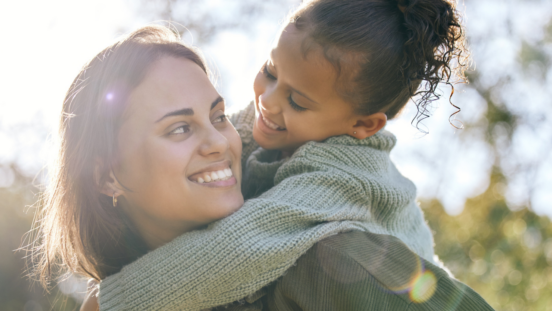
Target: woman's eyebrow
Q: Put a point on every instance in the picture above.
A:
(188, 111)
(180, 112)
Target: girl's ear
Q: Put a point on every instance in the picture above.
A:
(367, 126)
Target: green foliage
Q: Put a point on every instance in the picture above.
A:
(532, 53)
(504, 250)
(504, 255)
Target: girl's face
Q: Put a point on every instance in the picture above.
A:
(179, 165)
(295, 97)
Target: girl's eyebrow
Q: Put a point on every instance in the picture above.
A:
(271, 59)
(188, 111)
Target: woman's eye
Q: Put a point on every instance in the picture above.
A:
(266, 73)
(180, 130)
(220, 119)
(294, 105)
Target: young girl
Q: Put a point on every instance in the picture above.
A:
(340, 69)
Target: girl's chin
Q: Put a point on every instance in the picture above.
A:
(269, 143)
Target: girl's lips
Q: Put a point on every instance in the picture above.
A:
(271, 124)
(265, 128)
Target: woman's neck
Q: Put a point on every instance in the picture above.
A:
(156, 233)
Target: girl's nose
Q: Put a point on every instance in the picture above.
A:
(214, 143)
(269, 101)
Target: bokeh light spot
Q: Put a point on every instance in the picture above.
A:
(423, 287)
(32, 305)
(515, 277)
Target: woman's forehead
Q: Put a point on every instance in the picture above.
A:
(171, 84)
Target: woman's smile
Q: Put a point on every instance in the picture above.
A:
(216, 175)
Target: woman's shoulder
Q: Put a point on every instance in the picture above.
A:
(366, 271)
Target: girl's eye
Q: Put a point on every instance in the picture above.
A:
(220, 119)
(266, 73)
(294, 105)
(180, 130)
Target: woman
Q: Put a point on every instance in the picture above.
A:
(143, 131)
(129, 155)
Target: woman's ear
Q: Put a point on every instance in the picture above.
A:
(109, 185)
(369, 125)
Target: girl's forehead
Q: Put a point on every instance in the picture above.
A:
(301, 64)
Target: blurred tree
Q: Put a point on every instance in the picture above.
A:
(498, 245)
(204, 19)
(16, 289)
(505, 256)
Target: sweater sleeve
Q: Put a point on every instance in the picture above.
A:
(365, 271)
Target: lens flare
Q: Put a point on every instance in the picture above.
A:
(423, 287)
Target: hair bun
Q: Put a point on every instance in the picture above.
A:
(434, 37)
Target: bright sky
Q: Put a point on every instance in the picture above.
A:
(45, 43)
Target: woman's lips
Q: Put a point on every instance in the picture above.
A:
(219, 183)
(215, 175)
(206, 177)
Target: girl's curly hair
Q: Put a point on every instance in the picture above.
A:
(388, 51)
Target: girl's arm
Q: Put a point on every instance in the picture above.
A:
(322, 190)
(232, 258)
(242, 253)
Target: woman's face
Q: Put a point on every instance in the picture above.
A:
(173, 140)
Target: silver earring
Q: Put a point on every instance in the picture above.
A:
(354, 133)
(114, 200)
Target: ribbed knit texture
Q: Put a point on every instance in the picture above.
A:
(357, 271)
(325, 188)
(243, 122)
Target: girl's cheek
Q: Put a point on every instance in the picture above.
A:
(258, 85)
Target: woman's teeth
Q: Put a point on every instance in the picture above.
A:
(271, 124)
(215, 176)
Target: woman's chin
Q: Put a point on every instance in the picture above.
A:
(226, 206)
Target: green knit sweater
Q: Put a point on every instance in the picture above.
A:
(325, 188)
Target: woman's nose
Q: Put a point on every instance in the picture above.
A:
(214, 142)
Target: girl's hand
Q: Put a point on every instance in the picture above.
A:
(91, 301)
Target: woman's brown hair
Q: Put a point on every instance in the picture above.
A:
(388, 48)
(79, 230)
